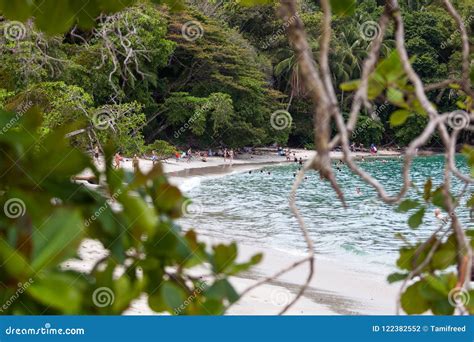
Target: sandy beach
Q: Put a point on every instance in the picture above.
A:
(336, 288)
(243, 162)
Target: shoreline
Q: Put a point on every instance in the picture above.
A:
(337, 288)
(217, 166)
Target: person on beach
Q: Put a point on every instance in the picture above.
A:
(177, 156)
(225, 155)
(373, 149)
(136, 163)
(231, 156)
(118, 160)
(96, 152)
(189, 154)
(300, 161)
(154, 157)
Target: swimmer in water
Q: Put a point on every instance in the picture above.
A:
(358, 192)
(439, 216)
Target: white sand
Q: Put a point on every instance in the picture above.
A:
(335, 288)
(217, 165)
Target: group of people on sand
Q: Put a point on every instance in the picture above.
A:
(203, 155)
(119, 159)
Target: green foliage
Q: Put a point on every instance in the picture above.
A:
(122, 126)
(162, 148)
(432, 287)
(411, 128)
(368, 131)
(54, 16)
(60, 104)
(48, 217)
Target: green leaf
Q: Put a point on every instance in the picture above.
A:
(222, 289)
(13, 263)
(416, 219)
(446, 254)
(16, 10)
(439, 284)
(442, 307)
(350, 86)
(249, 3)
(170, 297)
(238, 268)
(59, 291)
(343, 7)
(470, 202)
(407, 204)
(399, 117)
(412, 301)
(394, 277)
(396, 97)
(427, 190)
(57, 239)
(224, 256)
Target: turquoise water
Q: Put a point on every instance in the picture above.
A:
(253, 209)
